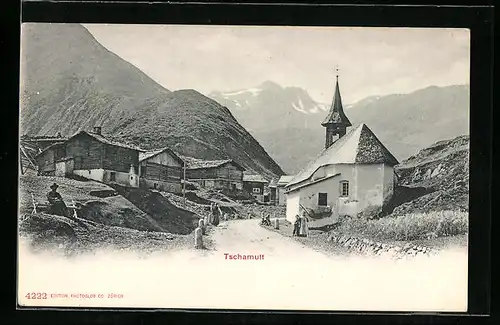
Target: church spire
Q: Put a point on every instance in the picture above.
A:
(336, 121)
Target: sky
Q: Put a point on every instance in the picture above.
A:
(371, 61)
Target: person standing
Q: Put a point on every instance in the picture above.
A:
(303, 225)
(296, 225)
(216, 215)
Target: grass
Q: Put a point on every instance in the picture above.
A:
(409, 227)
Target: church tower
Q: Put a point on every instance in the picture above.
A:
(336, 122)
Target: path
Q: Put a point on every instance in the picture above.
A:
(291, 276)
(247, 237)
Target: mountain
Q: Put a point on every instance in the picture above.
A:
(284, 120)
(442, 171)
(71, 82)
(288, 118)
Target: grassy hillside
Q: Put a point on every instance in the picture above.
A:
(443, 170)
(105, 205)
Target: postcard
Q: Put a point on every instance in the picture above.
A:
(243, 167)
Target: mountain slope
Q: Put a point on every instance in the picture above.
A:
(284, 120)
(405, 123)
(410, 122)
(442, 170)
(68, 79)
(70, 82)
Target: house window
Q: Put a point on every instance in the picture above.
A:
(112, 176)
(322, 199)
(256, 190)
(344, 188)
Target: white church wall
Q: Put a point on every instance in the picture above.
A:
(388, 181)
(369, 185)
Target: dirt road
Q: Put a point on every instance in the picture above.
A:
(290, 276)
(247, 237)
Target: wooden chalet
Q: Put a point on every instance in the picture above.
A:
(255, 184)
(93, 156)
(47, 159)
(217, 174)
(161, 169)
(31, 146)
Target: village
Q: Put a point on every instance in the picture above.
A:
(353, 173)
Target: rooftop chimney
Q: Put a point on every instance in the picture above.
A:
(97, 130)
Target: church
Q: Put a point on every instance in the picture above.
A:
(354, 171)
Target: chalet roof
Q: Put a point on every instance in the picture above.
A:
(195, 163)
(285, 179)
(107, 141)
(254, 178)
(358, 146)
(43, 138)
(151, 153)
(28, 153)
(336, 114)
(52, 146)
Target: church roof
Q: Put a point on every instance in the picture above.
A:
(336, 114)
(358, 146)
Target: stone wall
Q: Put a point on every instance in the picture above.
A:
(369, 247)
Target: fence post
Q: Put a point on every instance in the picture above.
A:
(198, 238)
(276, 223)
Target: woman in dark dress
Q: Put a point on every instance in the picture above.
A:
(56, 203)
(296, 226)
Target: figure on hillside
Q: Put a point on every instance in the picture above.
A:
(296, 225)
(56, 203)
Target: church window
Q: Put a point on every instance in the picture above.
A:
(322, 199)
(344, 188)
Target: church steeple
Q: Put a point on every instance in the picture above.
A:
(336, 122)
